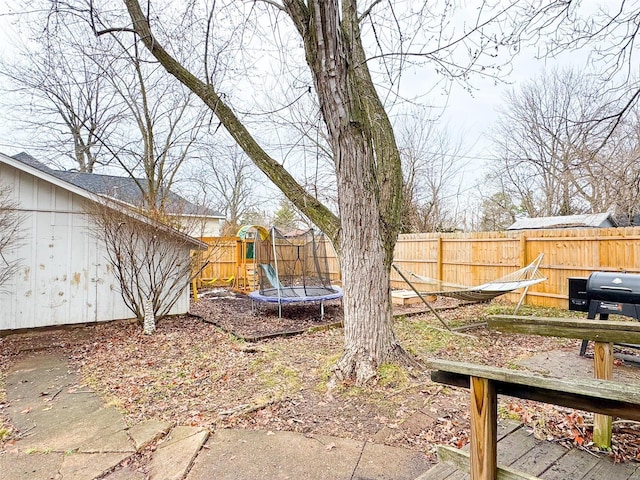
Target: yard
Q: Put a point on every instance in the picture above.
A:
(192, 372)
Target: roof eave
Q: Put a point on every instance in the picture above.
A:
(122, 206)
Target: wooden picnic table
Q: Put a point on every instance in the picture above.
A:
(603, 332)
(486, 382)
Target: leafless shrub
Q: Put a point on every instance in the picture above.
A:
(150, 258)
(11, 235)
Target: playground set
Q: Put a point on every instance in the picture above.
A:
(272, 267)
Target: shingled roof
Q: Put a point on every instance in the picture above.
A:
(592, 220)
(124, 189)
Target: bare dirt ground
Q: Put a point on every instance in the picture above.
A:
(194, 372)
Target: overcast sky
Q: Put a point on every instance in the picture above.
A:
(469, 116)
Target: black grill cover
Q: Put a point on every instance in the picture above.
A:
(614, 287)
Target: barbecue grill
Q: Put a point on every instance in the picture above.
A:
(605, 293)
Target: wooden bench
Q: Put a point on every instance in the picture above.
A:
(485, 382)
(603, 332)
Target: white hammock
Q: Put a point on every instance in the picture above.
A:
(523, 278)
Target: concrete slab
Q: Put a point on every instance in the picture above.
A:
(390, 463)
(174, 457)
(111, 436)
(148, 432)
(24, 466)
(84, 466)
(259, 455)
(54, 413)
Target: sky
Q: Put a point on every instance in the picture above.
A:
(468, 116)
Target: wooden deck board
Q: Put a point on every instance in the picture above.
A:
(574, 464)
(458, 475)
(635, 475)
(507, 427)
(621, 471)
(441, 471)
(537, 460)
(521, 451)
(512, 447)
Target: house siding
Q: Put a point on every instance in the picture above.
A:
(64, 277)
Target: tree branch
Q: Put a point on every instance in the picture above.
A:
(326, 220)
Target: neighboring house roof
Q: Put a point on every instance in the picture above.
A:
(123, 189)
(30, 165)
(591, 220)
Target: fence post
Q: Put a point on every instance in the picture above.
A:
(439, 260)
(524, 261)
(523, 250)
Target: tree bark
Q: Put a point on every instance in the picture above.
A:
(369, 176)
(310, 206)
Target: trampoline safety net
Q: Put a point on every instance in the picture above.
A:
(293, 267)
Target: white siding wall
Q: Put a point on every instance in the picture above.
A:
(202, 226)
(64, 277)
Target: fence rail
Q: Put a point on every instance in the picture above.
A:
(475, 258)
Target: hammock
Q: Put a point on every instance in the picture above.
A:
(523, 278)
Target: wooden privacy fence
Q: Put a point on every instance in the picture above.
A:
(475, 258)
(220, 261)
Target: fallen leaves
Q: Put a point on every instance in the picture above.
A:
(192, 373)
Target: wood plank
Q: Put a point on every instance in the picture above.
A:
(598, 330)
(442, 471)
(514, 446)
(484, 438)
(572, 465)
(590, 402)
(605, 468)
(459, 475)
(461, 460)
(627, 395)
(635, 475)
(537, 461)
(603, 368)
(507, 427)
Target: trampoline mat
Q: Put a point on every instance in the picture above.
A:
(297, 294)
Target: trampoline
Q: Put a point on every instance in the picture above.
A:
(293, 269)
(297, 295)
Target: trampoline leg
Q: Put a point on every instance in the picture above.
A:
(280, 310)
(321, 311)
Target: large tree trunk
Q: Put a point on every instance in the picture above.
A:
(369, 177)
(367, 164)
(368, 332)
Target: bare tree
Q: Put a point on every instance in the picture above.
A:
(100, 101)
(165, 125)
(330, 37)
(10, 235)
(150, 259)
(551, 149)
(431, 164)
(615, 172)
(610, 29)
(227, 178)
(61, 97)
(363, 146)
